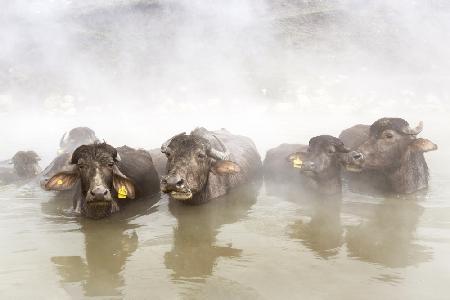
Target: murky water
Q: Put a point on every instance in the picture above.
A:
(256, 243)
(138, 73)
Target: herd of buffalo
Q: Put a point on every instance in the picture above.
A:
(386, 156)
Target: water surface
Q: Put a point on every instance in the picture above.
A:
(260, 242)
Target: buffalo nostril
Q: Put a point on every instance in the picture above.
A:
(92, 193)
(357, 156)
(105, 192)
(180, 183)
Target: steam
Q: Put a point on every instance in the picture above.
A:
(138, 72)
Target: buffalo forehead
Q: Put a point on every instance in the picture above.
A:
(188, 143)
(396, 124)
(98, 152)
(320, 142)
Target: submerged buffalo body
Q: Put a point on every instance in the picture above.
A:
(69, 142)
(319, 164)
(159, 161)
(392, 151)
(25, 165)
(277, 167)
(207, 164)
(107, 176)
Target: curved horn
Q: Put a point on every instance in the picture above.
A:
(165, 146)
(415, 131)
(63, 140)
(93, 137)
(219, 155)
(118, 157)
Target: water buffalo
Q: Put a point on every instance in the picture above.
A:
(107, 175)
(391, 150)
(25, 165)
(69, 142)
(207, 164)
(319, 163)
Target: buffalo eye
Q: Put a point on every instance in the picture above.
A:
(388, 135)
(81, 166)
(201, 155)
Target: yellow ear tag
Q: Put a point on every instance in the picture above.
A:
(297, 163)
(59, 182)
(122, 192)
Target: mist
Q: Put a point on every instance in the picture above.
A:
(138, 72)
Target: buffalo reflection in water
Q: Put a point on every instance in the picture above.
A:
(194, 252)
(108, 245)
(323, 233)
(388, 236)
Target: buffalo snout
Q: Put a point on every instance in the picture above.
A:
(357, 156)
(99, 193)
(354, 161)
(172, 182)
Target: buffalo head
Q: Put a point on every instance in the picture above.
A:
(323, 158)
(26, 164)
(101, 180)
(391, 143)
(190, 158)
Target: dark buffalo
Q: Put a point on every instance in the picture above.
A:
(207, 164)
(25, 165)
(391, 151)
(69, 142)
(107, 175)
(319, 163)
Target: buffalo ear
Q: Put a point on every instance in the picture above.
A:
(224, 167)
(62, 181)
(123, 185)
(297, 159)
(422, 145)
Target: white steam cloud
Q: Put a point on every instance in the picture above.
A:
(280, 71)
